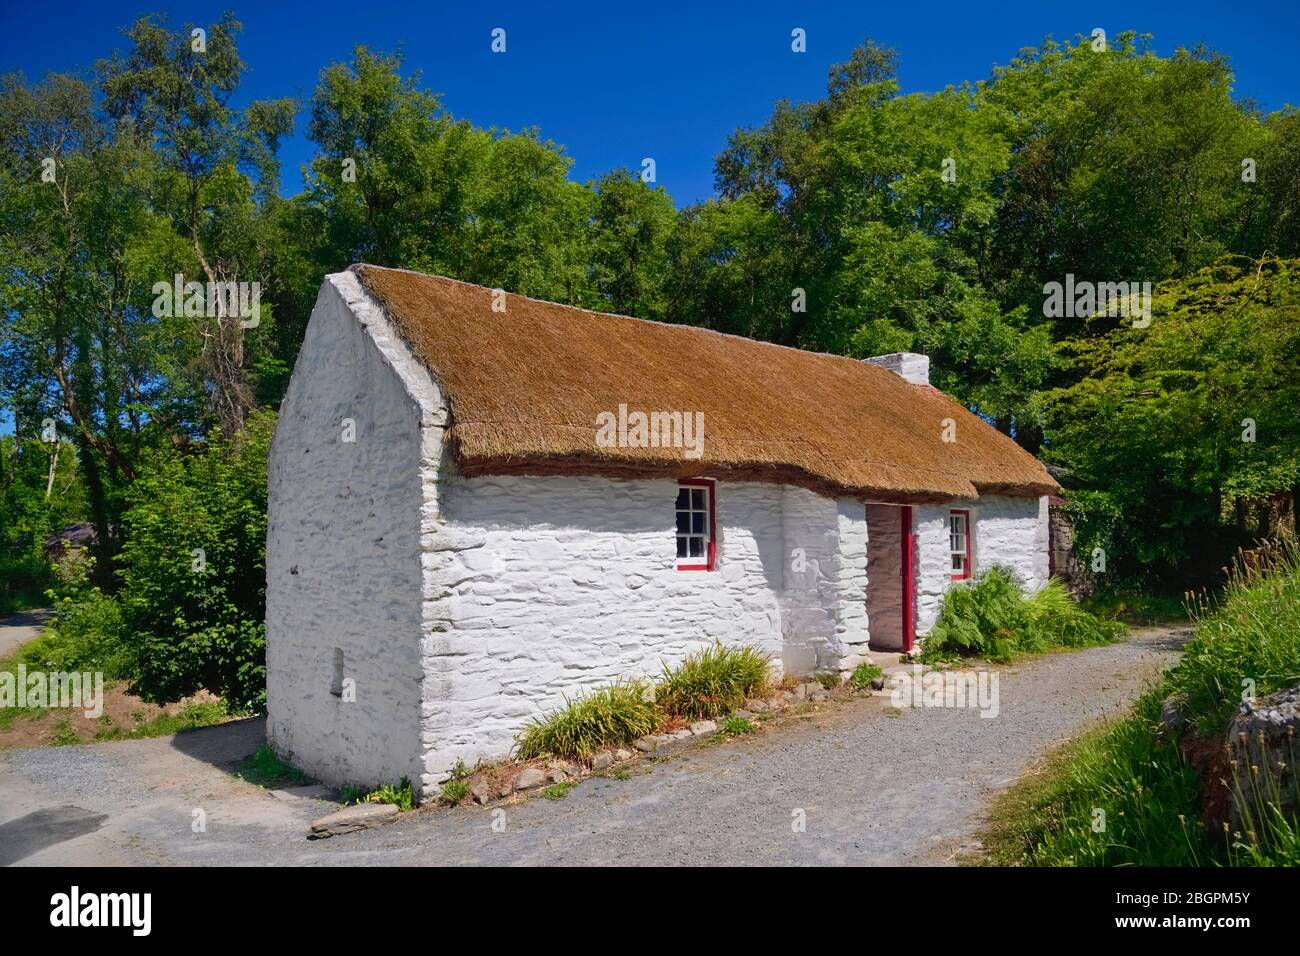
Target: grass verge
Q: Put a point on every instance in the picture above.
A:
(1126, 795)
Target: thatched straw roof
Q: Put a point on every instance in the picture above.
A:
(525, 387)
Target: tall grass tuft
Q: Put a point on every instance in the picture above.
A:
(1252, 634)
(714, 681)
(617, 714)
(1150, 797)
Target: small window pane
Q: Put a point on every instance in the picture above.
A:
(683, 499)
(697, 522)
(683, 522)
(697, 498)
(697, 547)
(681, 547)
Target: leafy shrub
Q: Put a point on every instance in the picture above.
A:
(864, 674)
(714, 681)
(87, 636)
(197, 620)
(990, 617)
(985, 618)
(616, 714)
(23, 580)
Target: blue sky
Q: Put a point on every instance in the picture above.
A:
(615, 82)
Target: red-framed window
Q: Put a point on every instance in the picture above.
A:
(697, 525)
(959, 531)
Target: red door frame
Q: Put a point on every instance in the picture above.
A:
(909, 577)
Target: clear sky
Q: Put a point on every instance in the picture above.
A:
(615, 81)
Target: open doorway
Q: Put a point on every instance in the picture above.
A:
(891, 577)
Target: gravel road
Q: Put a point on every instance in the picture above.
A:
(871, 785)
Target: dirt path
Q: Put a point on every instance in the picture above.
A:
(21, 627)
(872, 785)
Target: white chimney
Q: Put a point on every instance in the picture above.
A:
(912, 366)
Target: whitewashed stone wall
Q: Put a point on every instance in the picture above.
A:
(549, 586)
(343, 570)
(558, 585)
(1008, 531)
(824, 613)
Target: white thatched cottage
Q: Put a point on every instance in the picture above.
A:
(480, 503)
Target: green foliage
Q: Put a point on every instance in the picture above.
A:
(1150, 796)
(87, 636)
(454, 791)
(714, 681)
(400, 796)
(197, 620)
(617, 714)
(990, 617)
(265, 769)
(1183, 476)
(864, 674)
(737, 726)
(558, 791)
(1063, 623)
(1254, 635)
(64, 735)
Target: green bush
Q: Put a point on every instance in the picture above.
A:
(23, 581)
(864, 674)
(87, 636)
(193, 570)
(714, 681)
(616, 714)
(737, 726)
(990, 617)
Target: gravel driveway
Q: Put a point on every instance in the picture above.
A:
(871, 785)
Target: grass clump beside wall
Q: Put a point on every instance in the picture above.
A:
(992, 618)
(1150, 797)
(616, 714)
(708, 684)
(714, 681)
